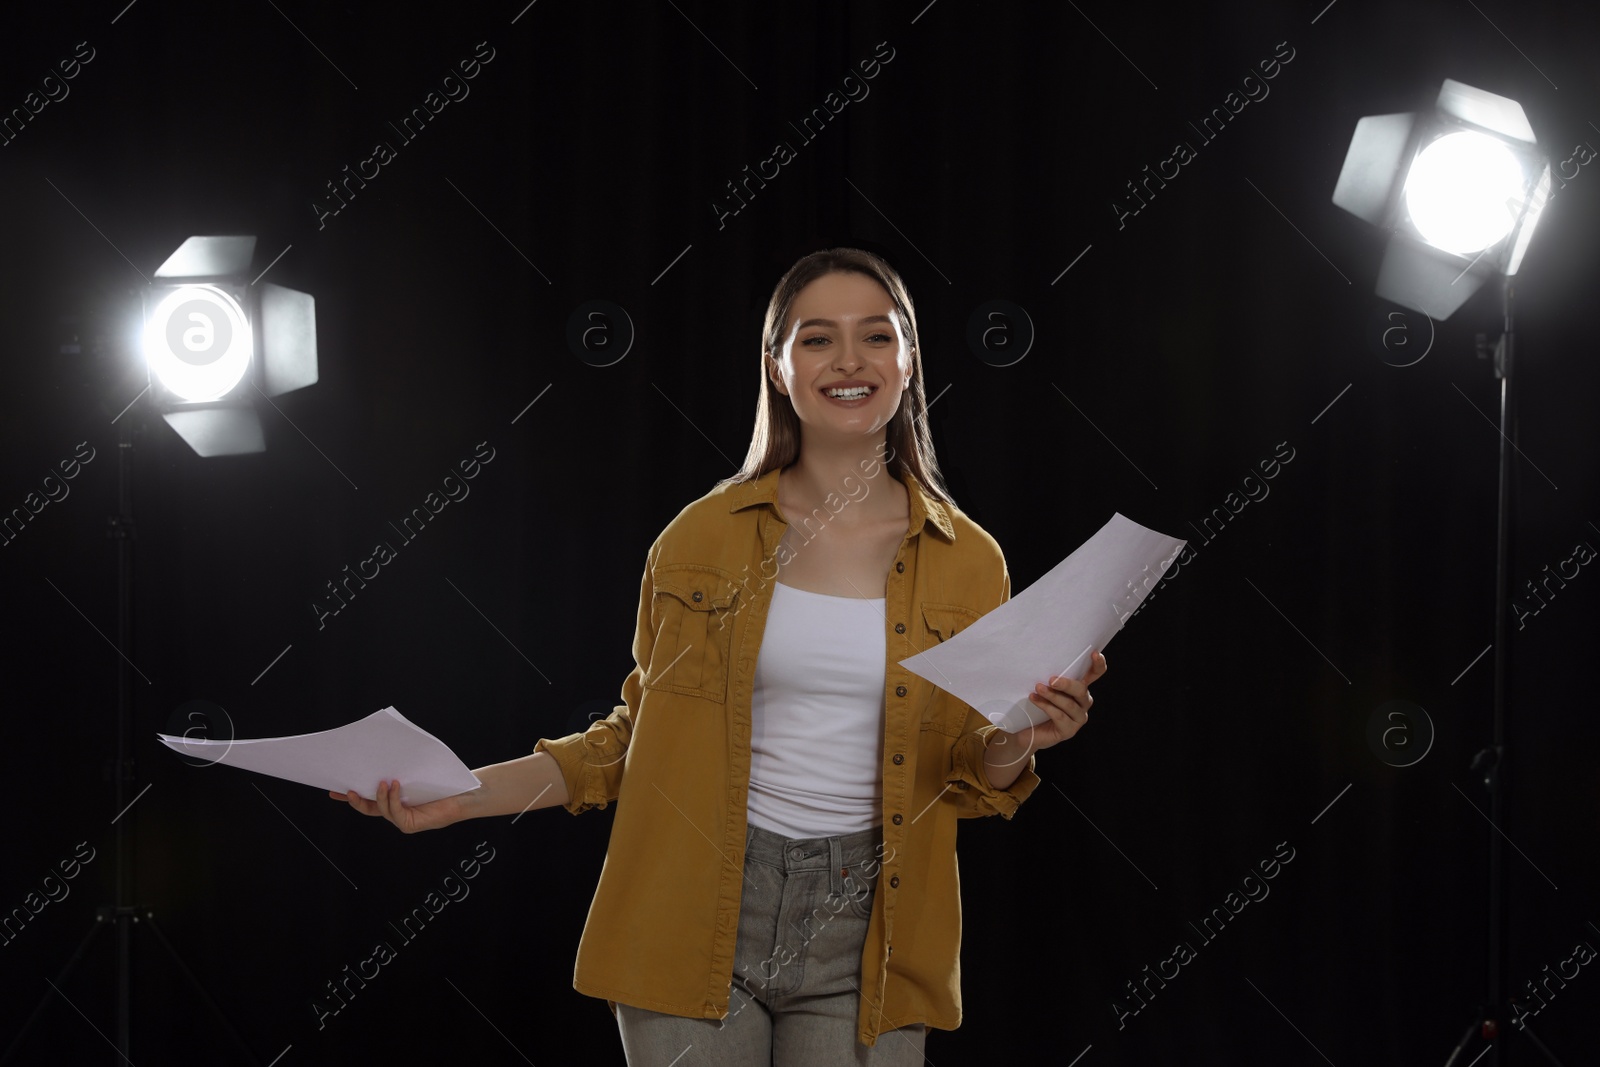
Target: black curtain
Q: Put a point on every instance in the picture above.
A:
(1151, 186)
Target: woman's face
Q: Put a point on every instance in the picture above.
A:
(843, 328)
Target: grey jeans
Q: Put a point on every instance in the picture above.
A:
(796, 971)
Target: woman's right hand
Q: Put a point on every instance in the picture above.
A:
(410, 818)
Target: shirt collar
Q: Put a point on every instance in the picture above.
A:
(924, 508)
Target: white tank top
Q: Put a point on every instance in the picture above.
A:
(816, 743)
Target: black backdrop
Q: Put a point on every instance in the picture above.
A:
(1229, 321)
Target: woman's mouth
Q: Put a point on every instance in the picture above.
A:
(852, 397)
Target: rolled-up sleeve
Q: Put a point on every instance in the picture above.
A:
(968, 778)
(592, 760)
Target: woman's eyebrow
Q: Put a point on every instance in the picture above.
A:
(829, 322)
(835, 325)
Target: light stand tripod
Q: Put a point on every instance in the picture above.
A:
(1491, 762)
(123, 914)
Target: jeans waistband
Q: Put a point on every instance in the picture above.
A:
(813, 853)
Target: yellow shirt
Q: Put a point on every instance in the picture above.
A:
(675, 755)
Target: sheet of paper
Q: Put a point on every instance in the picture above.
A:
(1052, 627)
(384, 745)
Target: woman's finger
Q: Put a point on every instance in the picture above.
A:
(356, 801)
(1075, 691)
(395, 811)
(1071, 717)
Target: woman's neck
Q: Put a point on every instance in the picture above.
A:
(812, 479)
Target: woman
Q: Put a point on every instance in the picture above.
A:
(788, 814)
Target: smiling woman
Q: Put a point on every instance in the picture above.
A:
(771, 757)
(812, 307)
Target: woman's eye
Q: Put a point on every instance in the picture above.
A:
(874, 337)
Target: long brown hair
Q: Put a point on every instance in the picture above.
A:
(776, 441)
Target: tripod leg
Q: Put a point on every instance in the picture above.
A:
(1540, 1045)
(150, 921)
(1474, 1027)
(101, 918)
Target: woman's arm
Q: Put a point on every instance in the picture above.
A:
(1006, 756)
(508, 788)
(515, 786)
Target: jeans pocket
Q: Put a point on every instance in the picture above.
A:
(860, 888)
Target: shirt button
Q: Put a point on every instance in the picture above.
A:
(899, 690)
(899, 758)
(897, 818)
(697, 595)
(894, 882)
(899, 627)
(900, 568)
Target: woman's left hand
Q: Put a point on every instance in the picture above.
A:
(1067, 702)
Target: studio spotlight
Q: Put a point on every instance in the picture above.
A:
(213, 343)
(1459, 189)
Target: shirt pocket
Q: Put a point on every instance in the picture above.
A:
(946, 712)
(693, 609)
